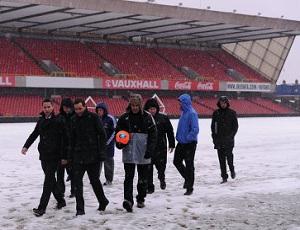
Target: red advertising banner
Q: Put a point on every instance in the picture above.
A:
(193, 85)
(7, 81)
(131, 84)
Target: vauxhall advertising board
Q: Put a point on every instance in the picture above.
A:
(156, 85)
(131, 84)
(7, 81)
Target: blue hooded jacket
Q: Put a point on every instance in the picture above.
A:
(188, 127)
(109, 124)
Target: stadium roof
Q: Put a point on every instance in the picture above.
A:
(152, 22)
(132, 19)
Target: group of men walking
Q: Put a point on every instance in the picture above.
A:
(78, 141)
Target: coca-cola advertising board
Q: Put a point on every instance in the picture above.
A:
(131, 84)
(7, 81)
(193, 85)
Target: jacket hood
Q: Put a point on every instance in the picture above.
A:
(66, 102)
(223, 98)
(186, 101)
(103, 106)
(151, 103)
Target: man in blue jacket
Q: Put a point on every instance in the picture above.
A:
(109, 124)
(187, 138)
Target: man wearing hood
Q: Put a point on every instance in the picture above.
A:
(187, 138)
(53, 139)
(137, 152)
(109, 124)
(224, 126)
(66, 111)
(165, 135)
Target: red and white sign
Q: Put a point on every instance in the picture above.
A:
(193, 85)
(7, 81)
(130, 84)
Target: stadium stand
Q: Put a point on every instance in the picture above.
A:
(30, 105)
(232, 63)
(73, 58)
(20, 105)
(137, 61)
(206, 66)
(13, 61)
(276, 108)
(181, 50)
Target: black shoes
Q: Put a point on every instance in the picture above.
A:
(163, 185)
(223, 181)
(140, 204)
(233, 174)
(103, 205)
(107, 183)
(188, 192)
(127, 205)
(72, 195)
(38, 212)
(150, 188)
(61, 204)
(80, 213)
(150, 191)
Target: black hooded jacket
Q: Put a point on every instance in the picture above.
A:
(164, 131)
(224, 125)
(67, 117)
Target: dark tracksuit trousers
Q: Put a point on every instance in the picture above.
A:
(223, 155)
(160, 165)
(142, 170)
(186, 152)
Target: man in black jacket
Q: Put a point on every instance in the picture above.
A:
(224, 127)
(88, 147)
(53, 138)
(159, 157)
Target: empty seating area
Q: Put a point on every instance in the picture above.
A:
(242, 106)
(247, 106)
(276, 108)
(233, 63)
(14, 62)
(20, 105)
(71, 57)
(199, 61)
(139, 61)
